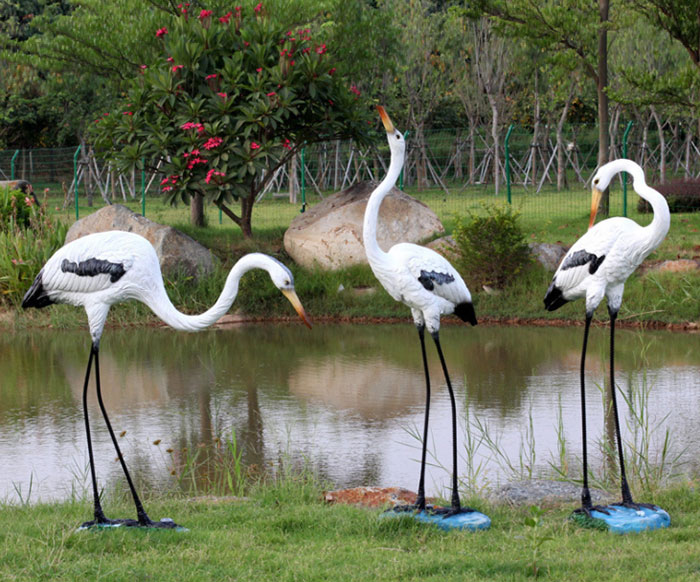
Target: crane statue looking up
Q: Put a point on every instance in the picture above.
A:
(426, 282)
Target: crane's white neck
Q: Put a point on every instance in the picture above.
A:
(658, 228)
(369, 228)
(161, 305)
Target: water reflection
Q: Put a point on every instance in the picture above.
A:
(344, 398)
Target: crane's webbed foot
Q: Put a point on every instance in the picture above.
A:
(585, 511)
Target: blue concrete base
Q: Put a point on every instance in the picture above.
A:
(624, 520)
(465, 520)
(166, 523)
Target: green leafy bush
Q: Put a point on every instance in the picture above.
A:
(15, 209)
(491, 248)
(28, 237)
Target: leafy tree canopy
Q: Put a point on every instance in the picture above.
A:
(231, 98)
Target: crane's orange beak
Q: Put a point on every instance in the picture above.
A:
(595, 202)
(294, 300)
(385, 120)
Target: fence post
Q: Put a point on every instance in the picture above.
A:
(507, 155)
(143, 189)
(303, 181)
(624, 174)
(75, 179)
(12, 165)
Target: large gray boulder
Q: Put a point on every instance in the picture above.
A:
(547, 254)
(329, 235)
(177, 252)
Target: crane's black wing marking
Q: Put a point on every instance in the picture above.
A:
(580, 258)
(429, 278)
(93, 267)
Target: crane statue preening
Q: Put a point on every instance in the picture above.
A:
(596, 267)
(101, 269)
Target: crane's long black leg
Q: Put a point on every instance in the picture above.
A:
(143, 518)
(420, 499)
(626, 495)
(585, 493)
(455, 505)
(98, 512)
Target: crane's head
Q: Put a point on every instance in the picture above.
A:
(284, 280)
(393, 135)
(603, 177)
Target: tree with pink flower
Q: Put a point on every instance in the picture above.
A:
(232, 98)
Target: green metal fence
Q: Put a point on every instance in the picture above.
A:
(453, 171)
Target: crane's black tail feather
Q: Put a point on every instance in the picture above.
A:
(554, 298)
(36, 296)
(465, 311)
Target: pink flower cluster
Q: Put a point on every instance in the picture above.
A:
(211, 174)
(168, 182)
(226, 17)
(212, 142)
(205, 14)
(254, 146)
(194, 158)
(161, 32)
(176, 68)
(194, 161)
(258, 8)
(191, 125)
(321, 49)
(183, 8)
(287, 144)
(355, 90)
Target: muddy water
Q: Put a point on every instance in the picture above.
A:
(345, 400)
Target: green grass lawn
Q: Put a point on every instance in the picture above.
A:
(285, 533)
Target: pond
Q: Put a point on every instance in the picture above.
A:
(343, 400)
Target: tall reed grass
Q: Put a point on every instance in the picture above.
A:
(28, 237)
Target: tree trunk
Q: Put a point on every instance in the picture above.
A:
(561, 154)
(458, 156)
(246, 223)
(535, 133)
(662, 145)
(496, 145)
(293, 184)
(472, 149)
(197, 209)
(421, 166)
(603, 144)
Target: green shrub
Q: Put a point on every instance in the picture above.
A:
(15, 209)
(491, 248)
(27, 239)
